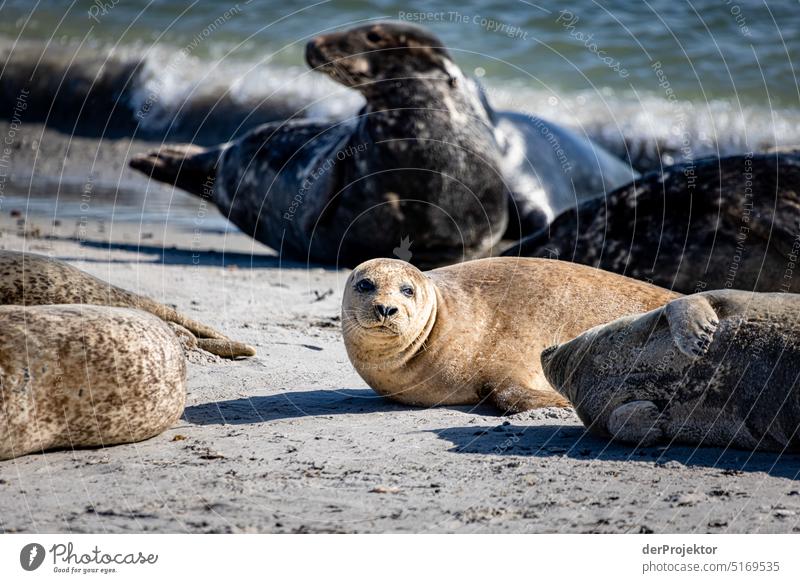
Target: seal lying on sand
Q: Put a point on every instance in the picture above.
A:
(425, 161)
(719, 368)
(473, 331)
(85, 376)
(28, 279)
(720, 223)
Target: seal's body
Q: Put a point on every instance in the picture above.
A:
(425, 162)
(718, 223)
(719, 368)
(28, 279)
(85, 376)
(462, 334)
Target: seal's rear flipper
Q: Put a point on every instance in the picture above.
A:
(189, 167)
(692, 322)
(636, 422)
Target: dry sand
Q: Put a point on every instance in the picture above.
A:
(293, 441)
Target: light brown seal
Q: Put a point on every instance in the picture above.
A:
(85, 376)
(29, 279)
(719, 368)
(473, 331)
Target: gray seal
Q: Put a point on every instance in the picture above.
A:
(717, 223)
(426, 167)
(719, 368)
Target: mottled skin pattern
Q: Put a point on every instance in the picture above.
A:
(85, 376)
(738, 227)
(426, 159)
(719, 368)
(471, 332)
(32, 280)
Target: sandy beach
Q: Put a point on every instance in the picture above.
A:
(293, 440)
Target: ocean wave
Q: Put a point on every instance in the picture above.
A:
(164, 94)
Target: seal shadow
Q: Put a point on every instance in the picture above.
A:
(572, 441)
(189, 257)
(293, 404)
(288, 405)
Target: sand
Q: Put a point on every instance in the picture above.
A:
(293, 441)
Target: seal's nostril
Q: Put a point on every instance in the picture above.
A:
(385, 311)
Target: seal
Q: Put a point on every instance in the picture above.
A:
(471, 332)
(426, 162)
(86, 376)
(718, 368)
(28, 279)
(719, 223)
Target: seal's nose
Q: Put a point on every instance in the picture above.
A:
(385, 311)
(314, 52)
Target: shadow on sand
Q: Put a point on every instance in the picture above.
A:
(289, 405)
(189, 257)
(573, 442)
(292, 404)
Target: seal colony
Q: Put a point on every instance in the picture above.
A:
(719, 368)
(467, 333)
(718, 223)
(426, 161)
(85, 376)
(27, 279)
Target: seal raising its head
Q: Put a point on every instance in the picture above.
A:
(85, 376)
(719, 368)
(473, 331)
(426, 160)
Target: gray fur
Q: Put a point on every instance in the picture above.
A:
(719, 368)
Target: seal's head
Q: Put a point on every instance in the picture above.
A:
(611, 357)
(361, 56)
(387, 302)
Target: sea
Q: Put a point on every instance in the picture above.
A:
(656, 81)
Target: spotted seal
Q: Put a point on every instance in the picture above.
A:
(426, 162)
(471, 332)
(29, 279)
(85, 376)
(718, 223)
(719, 368)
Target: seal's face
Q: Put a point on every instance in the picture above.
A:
(386, 298)
(377, 52)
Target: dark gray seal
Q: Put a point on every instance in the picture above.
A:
(718, 223)
(718, 368)
(424, 172)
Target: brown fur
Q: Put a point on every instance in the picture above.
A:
(475, 330)
(32, 280)
(85, 376)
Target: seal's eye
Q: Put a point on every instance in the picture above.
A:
(373, 36)
(365, 286)
(407, 291)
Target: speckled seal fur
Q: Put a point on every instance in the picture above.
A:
(426, 161)
(718, 223)
(29, 279)
(471, 332)
(718, 368)
(85, 376)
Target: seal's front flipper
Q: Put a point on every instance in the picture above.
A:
(187, 166)
(636, 422)
(692, 322)
(514, 398)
